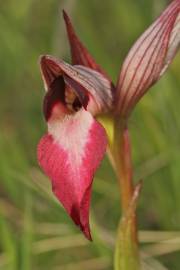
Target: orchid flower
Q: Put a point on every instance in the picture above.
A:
(76, 143)
(76, 94)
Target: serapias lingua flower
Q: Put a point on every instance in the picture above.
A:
(75, 143)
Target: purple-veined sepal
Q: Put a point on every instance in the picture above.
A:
(148, 59)
(92, 89)
(79, 53)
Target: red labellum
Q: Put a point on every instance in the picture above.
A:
(70, 154)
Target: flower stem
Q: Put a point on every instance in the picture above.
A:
(124, 170)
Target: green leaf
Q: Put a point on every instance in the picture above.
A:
(152, 264)
(26, 241)
(8, 245)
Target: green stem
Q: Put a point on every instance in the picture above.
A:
(124, 170)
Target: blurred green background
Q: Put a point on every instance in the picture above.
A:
(35, 232)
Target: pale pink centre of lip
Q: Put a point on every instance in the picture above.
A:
(71, 131)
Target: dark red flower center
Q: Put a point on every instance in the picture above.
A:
(61, 92)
